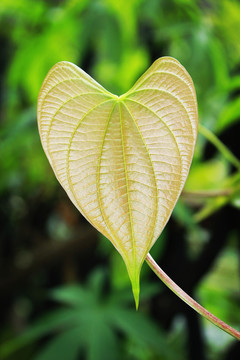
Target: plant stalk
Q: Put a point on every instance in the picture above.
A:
(188, 300)
(206, 193)
(212, 138)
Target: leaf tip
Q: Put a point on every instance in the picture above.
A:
(135, 280)
(136, 296)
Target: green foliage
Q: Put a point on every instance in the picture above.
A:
(86, 322)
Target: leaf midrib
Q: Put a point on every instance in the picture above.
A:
(127, 189)
(154, 176)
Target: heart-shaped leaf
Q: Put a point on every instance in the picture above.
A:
(124, 160)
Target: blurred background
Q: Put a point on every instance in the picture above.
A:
(64, 290)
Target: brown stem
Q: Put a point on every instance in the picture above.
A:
(207, 193)
(188, 300)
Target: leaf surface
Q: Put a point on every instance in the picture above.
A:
(124, 160)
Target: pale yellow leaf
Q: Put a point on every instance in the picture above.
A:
(124, 160)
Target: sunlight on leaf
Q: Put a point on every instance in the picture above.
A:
(124, 160)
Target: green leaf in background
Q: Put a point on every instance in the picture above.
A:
(58, 319)
(66, 345)
(89, 327)
(229, 115)
(205, 174)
